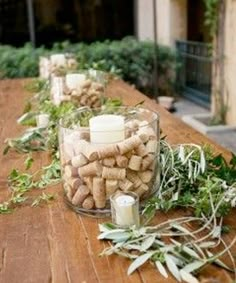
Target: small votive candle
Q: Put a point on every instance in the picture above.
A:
(125, 209)
(42, 120)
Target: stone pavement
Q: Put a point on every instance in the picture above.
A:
(186, 107)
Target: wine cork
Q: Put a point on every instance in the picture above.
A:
(69, 191)
(122, 161)
(89, 183)
(79, 145)
(79, 160)
(74, 182)
(134, 178)
(92, 92)
(86, 84)
(83, 100)
(88, 203)
(76, 92)
(80, 195)
(99, 192)
(146, 133)
(85, 135)
(97, 104)
(135, 162)
(129, 144)
(133, 124)
(147, 161)
(141, 150)
(70, 171)
(113, 173)
(111, 187)
(126, 185)
(152, 166)
(93, 99)
(145, 176)
(151, 146)
(109, 161)
(97, 86)
(141, 190)
(90, 170)
(143, 123)
(128, 133)
(91, 153)
(107, 151)
(88, 150)
(129, 154)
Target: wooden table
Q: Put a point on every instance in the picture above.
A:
(53, 244)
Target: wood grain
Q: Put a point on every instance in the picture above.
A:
(51, 244)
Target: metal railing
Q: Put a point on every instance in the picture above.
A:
(195, 73)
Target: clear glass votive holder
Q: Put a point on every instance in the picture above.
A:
(82, 88)
(125, 209)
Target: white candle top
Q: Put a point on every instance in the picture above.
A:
(124, 200)
(73, 81)
(107, 128)
(58, 59)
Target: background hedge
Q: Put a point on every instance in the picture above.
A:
(129, 58)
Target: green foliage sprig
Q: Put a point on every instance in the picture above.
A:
(188, 174)
(211, 16)
(21, 183)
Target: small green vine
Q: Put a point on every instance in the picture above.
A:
(211, 16)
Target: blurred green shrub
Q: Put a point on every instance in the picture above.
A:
(130, 59)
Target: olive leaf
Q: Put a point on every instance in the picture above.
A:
(117, 235)
(148, 242)
(187, 277)
(139, 261)
(172, 267)
(193, 266)
(161, 269)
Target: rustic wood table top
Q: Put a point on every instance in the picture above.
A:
(53, 244)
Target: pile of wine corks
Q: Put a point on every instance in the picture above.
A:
(88, 93)
(92, 173)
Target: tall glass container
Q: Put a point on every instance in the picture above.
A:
(107, 151)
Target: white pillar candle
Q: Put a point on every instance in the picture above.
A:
(125, 215)
(58, 59)
(42, 120)
(74, 80)
(106, 129)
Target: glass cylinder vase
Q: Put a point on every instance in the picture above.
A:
(83, 88)
(105, 151)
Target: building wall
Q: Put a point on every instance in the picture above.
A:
(230, 61)
(227, 72)
(171, 20)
